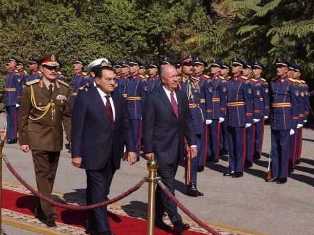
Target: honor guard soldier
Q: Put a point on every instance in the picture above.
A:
(134, 97)
(305, 107)
(261, 107)
(187, 69)
(44, 112)
(78, 79)
(192, 88)
(34, 72)
(225, 77)
(283, 124)
(124, 75)
(247, 76)
(215, 104)
(11, 89)
(153, 79)
(238, 118)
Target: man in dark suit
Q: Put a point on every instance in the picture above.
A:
(99, 133)
(165, 125)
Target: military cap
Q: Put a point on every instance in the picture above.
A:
(198, 61)
(117, 65)
(152, 66)
(295, 67)
(216, 63)
(50, 60)
(94, 63)
(224, 66)
(33, 60)
(188, 60)
(78, 62)
(124, 64)
(133, 63)
(257, 65)
(165, 60)
(237, 62)
(247, 65)
(282, 63)
(12, 59)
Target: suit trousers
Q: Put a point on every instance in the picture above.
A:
(167, 174)
(45, 165)
(237, 148)
(11, 122)
(280, 152)
(98, 185)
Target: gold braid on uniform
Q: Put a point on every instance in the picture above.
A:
(45, 109)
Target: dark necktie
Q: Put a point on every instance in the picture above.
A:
(174, 104)
(108, 109)
(50, 90)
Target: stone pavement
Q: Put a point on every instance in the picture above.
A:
(248, 204)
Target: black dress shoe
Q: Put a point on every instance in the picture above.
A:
(163, 226)
(179, 228)
(191, 191)
(200, 168)
(50, 222)
(228, 173)
(237, 175)
(282, 181)
(12, 141)
(274, 179)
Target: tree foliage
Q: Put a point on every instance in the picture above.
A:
(146, 29)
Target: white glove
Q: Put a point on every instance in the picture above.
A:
(266, 117)
(305, 121)
(17, 105)
(208, 122)
(291, 132)
(299, 126)
(247, 125)
(221, 119)
(255, 120)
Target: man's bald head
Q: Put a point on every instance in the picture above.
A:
(169, 77)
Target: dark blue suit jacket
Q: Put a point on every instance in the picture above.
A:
(94, 138)
(163, 132)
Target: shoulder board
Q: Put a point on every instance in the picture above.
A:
(263, 79)
(206, 76)
(221, 77)
(302, 81)
(254, 80)
(291, 79)
(244, 77)
(32, 82)
(63, 83)
(142, 76)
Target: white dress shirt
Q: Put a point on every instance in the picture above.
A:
(175, 97)
(104, 100)
(168, 94)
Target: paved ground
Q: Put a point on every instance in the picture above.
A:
(248, 203)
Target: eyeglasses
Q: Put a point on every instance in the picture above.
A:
(50, 67)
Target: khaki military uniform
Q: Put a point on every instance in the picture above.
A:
(43, 114)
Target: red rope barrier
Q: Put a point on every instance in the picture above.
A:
(64, 204)
(187, 211)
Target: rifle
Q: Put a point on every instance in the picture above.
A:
(268, 175)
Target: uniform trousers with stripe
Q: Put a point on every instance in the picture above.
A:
(11, 121)
(237, 150)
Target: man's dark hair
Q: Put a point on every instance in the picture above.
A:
(98, 70)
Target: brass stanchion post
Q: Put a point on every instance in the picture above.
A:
(152, 184)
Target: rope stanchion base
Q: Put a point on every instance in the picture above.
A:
(65, 205)
(186, 211)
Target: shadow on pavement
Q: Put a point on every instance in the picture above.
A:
(305, 169)
(308, 161)
(303, 178)
(135, 209)
(309, 140)
(78, 196)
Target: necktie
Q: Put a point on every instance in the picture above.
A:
(50, 89)
(174, 104)
(108, 109)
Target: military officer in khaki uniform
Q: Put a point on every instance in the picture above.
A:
(44, 111)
